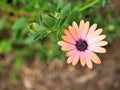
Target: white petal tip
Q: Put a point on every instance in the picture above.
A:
(74, 64)
(68, 62)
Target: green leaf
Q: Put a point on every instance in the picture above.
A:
(60, 3)
(66, 9)
(39, 35)
(62, 20)
(5, 46)
(57, 23)
(49, 22)
(52, 8)
(73, 16)
(50, 15)
(59, 34)
(40, 19)
(3, 23)
(19, 62)
(19, 23)
(110, 27)
(59, 10)
(49, 55)
(105, 2)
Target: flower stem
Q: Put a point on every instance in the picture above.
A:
(87, 5)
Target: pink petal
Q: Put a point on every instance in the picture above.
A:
(68, 47)
(97, 49)
(76, 59)
(92, 29)
(68, 39)
(74, 33)
(81, 26)
(67, 33)
(70, 53)
(92, 56)
(70, 59)
(85, 31)
(63, 43)
(94, 34)
(89, 63)
(96, 39)
(100, 43)
(75, 26)
(82, 59)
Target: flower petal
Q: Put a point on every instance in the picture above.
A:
(94, 34)
(96, 39)
(92, 56)
(70, 59)
(89, 63)
(100, 43)
(97, 49)
(70, 53)
(82, 59)
(67, 33)
(76, 59)
(92, 28)
(68, 47)
(85, 31)
(68, 39)
(81, 26)
(74, 33)
(76, 28)
(63, 43)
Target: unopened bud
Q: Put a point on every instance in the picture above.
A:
(33, 27)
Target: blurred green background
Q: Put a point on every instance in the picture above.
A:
(16, 15)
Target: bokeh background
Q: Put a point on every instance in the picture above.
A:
(26, 64)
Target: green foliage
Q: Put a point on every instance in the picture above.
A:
(3, 22)
(19, 62)
(5, 46)
(19, 23)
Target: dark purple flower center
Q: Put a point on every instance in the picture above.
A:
(81, 45)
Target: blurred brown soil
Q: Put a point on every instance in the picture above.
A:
(57, 75)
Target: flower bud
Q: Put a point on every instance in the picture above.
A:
(33, 27)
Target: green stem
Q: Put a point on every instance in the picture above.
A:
(89, 5)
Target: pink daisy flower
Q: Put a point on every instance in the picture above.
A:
(82, 42)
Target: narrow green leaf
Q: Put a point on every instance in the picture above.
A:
(62, 20)
(103, 2)
(19, 23)
(49, 22)
(66, 9)
(50, 15)
(40, 19)
(39, 35)
(60, 3)
(52, 8)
